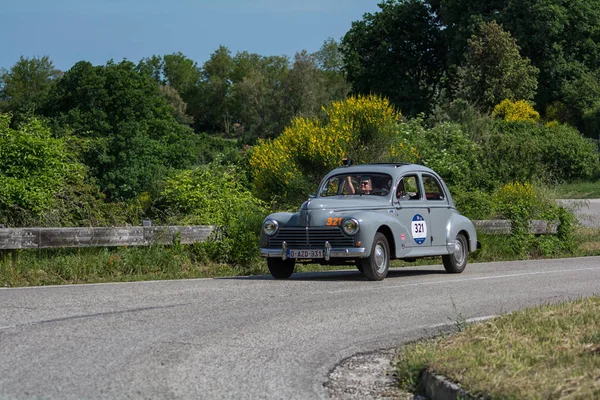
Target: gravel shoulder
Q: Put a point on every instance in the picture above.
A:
(367, 376)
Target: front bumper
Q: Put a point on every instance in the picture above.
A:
(328, 252)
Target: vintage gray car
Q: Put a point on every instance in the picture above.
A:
(368, 215)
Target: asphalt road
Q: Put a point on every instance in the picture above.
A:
(587, 211)
(247, 337)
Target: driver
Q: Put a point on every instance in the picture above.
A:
(366, 186)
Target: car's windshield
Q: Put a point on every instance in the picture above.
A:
(372, 184)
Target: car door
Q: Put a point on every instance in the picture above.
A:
(412, 212)
(439, 208)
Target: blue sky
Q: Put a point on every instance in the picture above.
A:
(99, 30)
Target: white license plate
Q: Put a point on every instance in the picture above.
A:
(292, 253)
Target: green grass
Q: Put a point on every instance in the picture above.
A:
(96, 265)
(580, 190)
(549, 352)
(588, 240)
(93, 265)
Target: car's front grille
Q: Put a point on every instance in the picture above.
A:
(311, 237)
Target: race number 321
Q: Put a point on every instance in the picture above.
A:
(419, 229)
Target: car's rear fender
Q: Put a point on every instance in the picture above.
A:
(459, 223)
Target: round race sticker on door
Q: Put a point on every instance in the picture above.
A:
(419, 229)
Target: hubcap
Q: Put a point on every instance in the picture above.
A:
(380, 258)
(459, 252)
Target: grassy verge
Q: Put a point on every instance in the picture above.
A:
(588, 242)
(581, 190)
(96, 265)
(93, 265)
(548, 352)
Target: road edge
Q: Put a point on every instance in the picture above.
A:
(438, 387)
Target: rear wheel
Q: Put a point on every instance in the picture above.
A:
(281, 269)
(376, 266)
(456, 262)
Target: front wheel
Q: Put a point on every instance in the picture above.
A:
(281, 269)
(376, 266)
(456, 262)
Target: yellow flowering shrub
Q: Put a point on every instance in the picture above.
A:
(354, 128)
(515, 111)
(516, 198)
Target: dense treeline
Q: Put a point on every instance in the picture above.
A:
(423, 52)
(486, 93)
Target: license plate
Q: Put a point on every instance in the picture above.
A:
(292, 253)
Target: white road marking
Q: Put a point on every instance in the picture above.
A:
(468, 321)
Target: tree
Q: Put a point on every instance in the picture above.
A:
(24, 89)
(331, 63)
(494, 70)
(132, 138)
(179, 79)
(560, 37)
(398, 52)
(268, 92)
(329, 56)
(175, 70)
(257, 98)
(153, 66)
(181, 73)
(581, 102)
(214, 93)
(303, 86)
(177, 104)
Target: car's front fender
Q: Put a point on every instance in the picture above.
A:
(282, 218)
(371, 223)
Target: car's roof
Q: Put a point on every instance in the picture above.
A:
(384, 168)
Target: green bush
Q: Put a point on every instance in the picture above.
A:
(523, 202)
(475, 204)
(521, 151)
(448, 150)
(34, 169)
(567, 155)
(218, 195)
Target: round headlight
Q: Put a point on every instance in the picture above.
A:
(270, 227)
(350, 226)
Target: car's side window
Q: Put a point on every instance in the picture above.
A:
(408, 188)
(433, 189)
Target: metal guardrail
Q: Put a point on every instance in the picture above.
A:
(43, 238)
(502, 227)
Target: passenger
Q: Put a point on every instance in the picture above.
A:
(401, 191)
